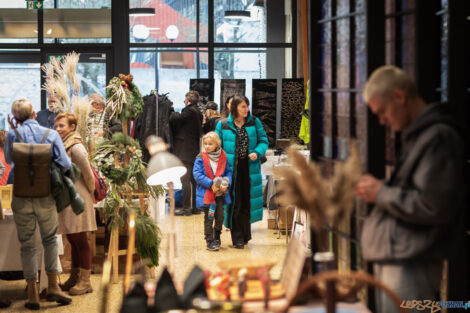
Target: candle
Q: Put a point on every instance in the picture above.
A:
(130, 251)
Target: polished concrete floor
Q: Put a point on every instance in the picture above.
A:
(191, 249)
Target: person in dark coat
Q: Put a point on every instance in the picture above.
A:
(211, 117)
(419, 213)
(46, 117)
(187, 130)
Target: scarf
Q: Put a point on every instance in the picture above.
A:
(70, 140)
(214, 158)
(220, 157)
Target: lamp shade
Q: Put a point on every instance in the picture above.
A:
(172, 32)
(142, 12)
(164, 167)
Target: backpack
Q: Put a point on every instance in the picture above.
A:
(32, 170)
(100, 186)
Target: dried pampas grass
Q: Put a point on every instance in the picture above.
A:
(81, 109)
(55, 84)
(118, 97)
(70, 69)
(328, 201)
(57, 73)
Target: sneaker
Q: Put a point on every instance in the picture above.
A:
(217, 243)
(212, 246)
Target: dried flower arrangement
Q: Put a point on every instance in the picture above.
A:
(123, 98)
(327, 201)
(61, 82)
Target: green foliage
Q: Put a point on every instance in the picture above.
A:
(148, 239)
(134, 102)
(120, 161)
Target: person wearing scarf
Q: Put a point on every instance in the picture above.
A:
(75, 227)
(213, 177)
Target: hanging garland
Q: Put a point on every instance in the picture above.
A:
(123, 98)
(120, 161)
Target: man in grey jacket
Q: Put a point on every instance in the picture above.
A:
(419, 212)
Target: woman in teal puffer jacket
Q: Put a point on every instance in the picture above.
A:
(245, 142)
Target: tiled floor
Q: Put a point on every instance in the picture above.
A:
(191, 250)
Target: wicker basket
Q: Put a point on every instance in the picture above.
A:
(252, 265)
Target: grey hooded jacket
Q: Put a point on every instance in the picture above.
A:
(419, 212)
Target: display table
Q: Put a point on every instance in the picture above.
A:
(10, 253)
(313, 307)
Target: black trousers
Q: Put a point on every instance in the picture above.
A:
(189, 188)
(213, 227)
(241, 208)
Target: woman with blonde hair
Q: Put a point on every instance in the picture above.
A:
(75, 227)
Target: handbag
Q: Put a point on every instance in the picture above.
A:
(100, 186)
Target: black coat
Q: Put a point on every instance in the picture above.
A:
(187, 130)
(146, 122)
(210, 124)
(113, 125)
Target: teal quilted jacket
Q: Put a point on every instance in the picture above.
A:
(258, 143)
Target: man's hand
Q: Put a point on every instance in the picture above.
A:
(253, 156)
(368, 187)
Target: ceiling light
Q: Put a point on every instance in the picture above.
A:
(237, 14)
(137, 12)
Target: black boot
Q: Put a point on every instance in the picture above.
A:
(196, 211)
(217, 239)
(4, 303)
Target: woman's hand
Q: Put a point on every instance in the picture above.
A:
(253, 156)
(214, 188)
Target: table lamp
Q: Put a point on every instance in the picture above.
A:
(165, 168)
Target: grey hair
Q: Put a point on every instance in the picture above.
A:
(192, 96)
(22, 109)
(384, 80)
(96, 97)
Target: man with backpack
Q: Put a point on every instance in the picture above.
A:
(33, 148)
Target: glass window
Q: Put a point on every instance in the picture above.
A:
(250, 64)
(77, 25)
(169, 70)
(18, 24)
(82, 4)
(174, 21)
(24, 81)
(241, 21)
(91, 24)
